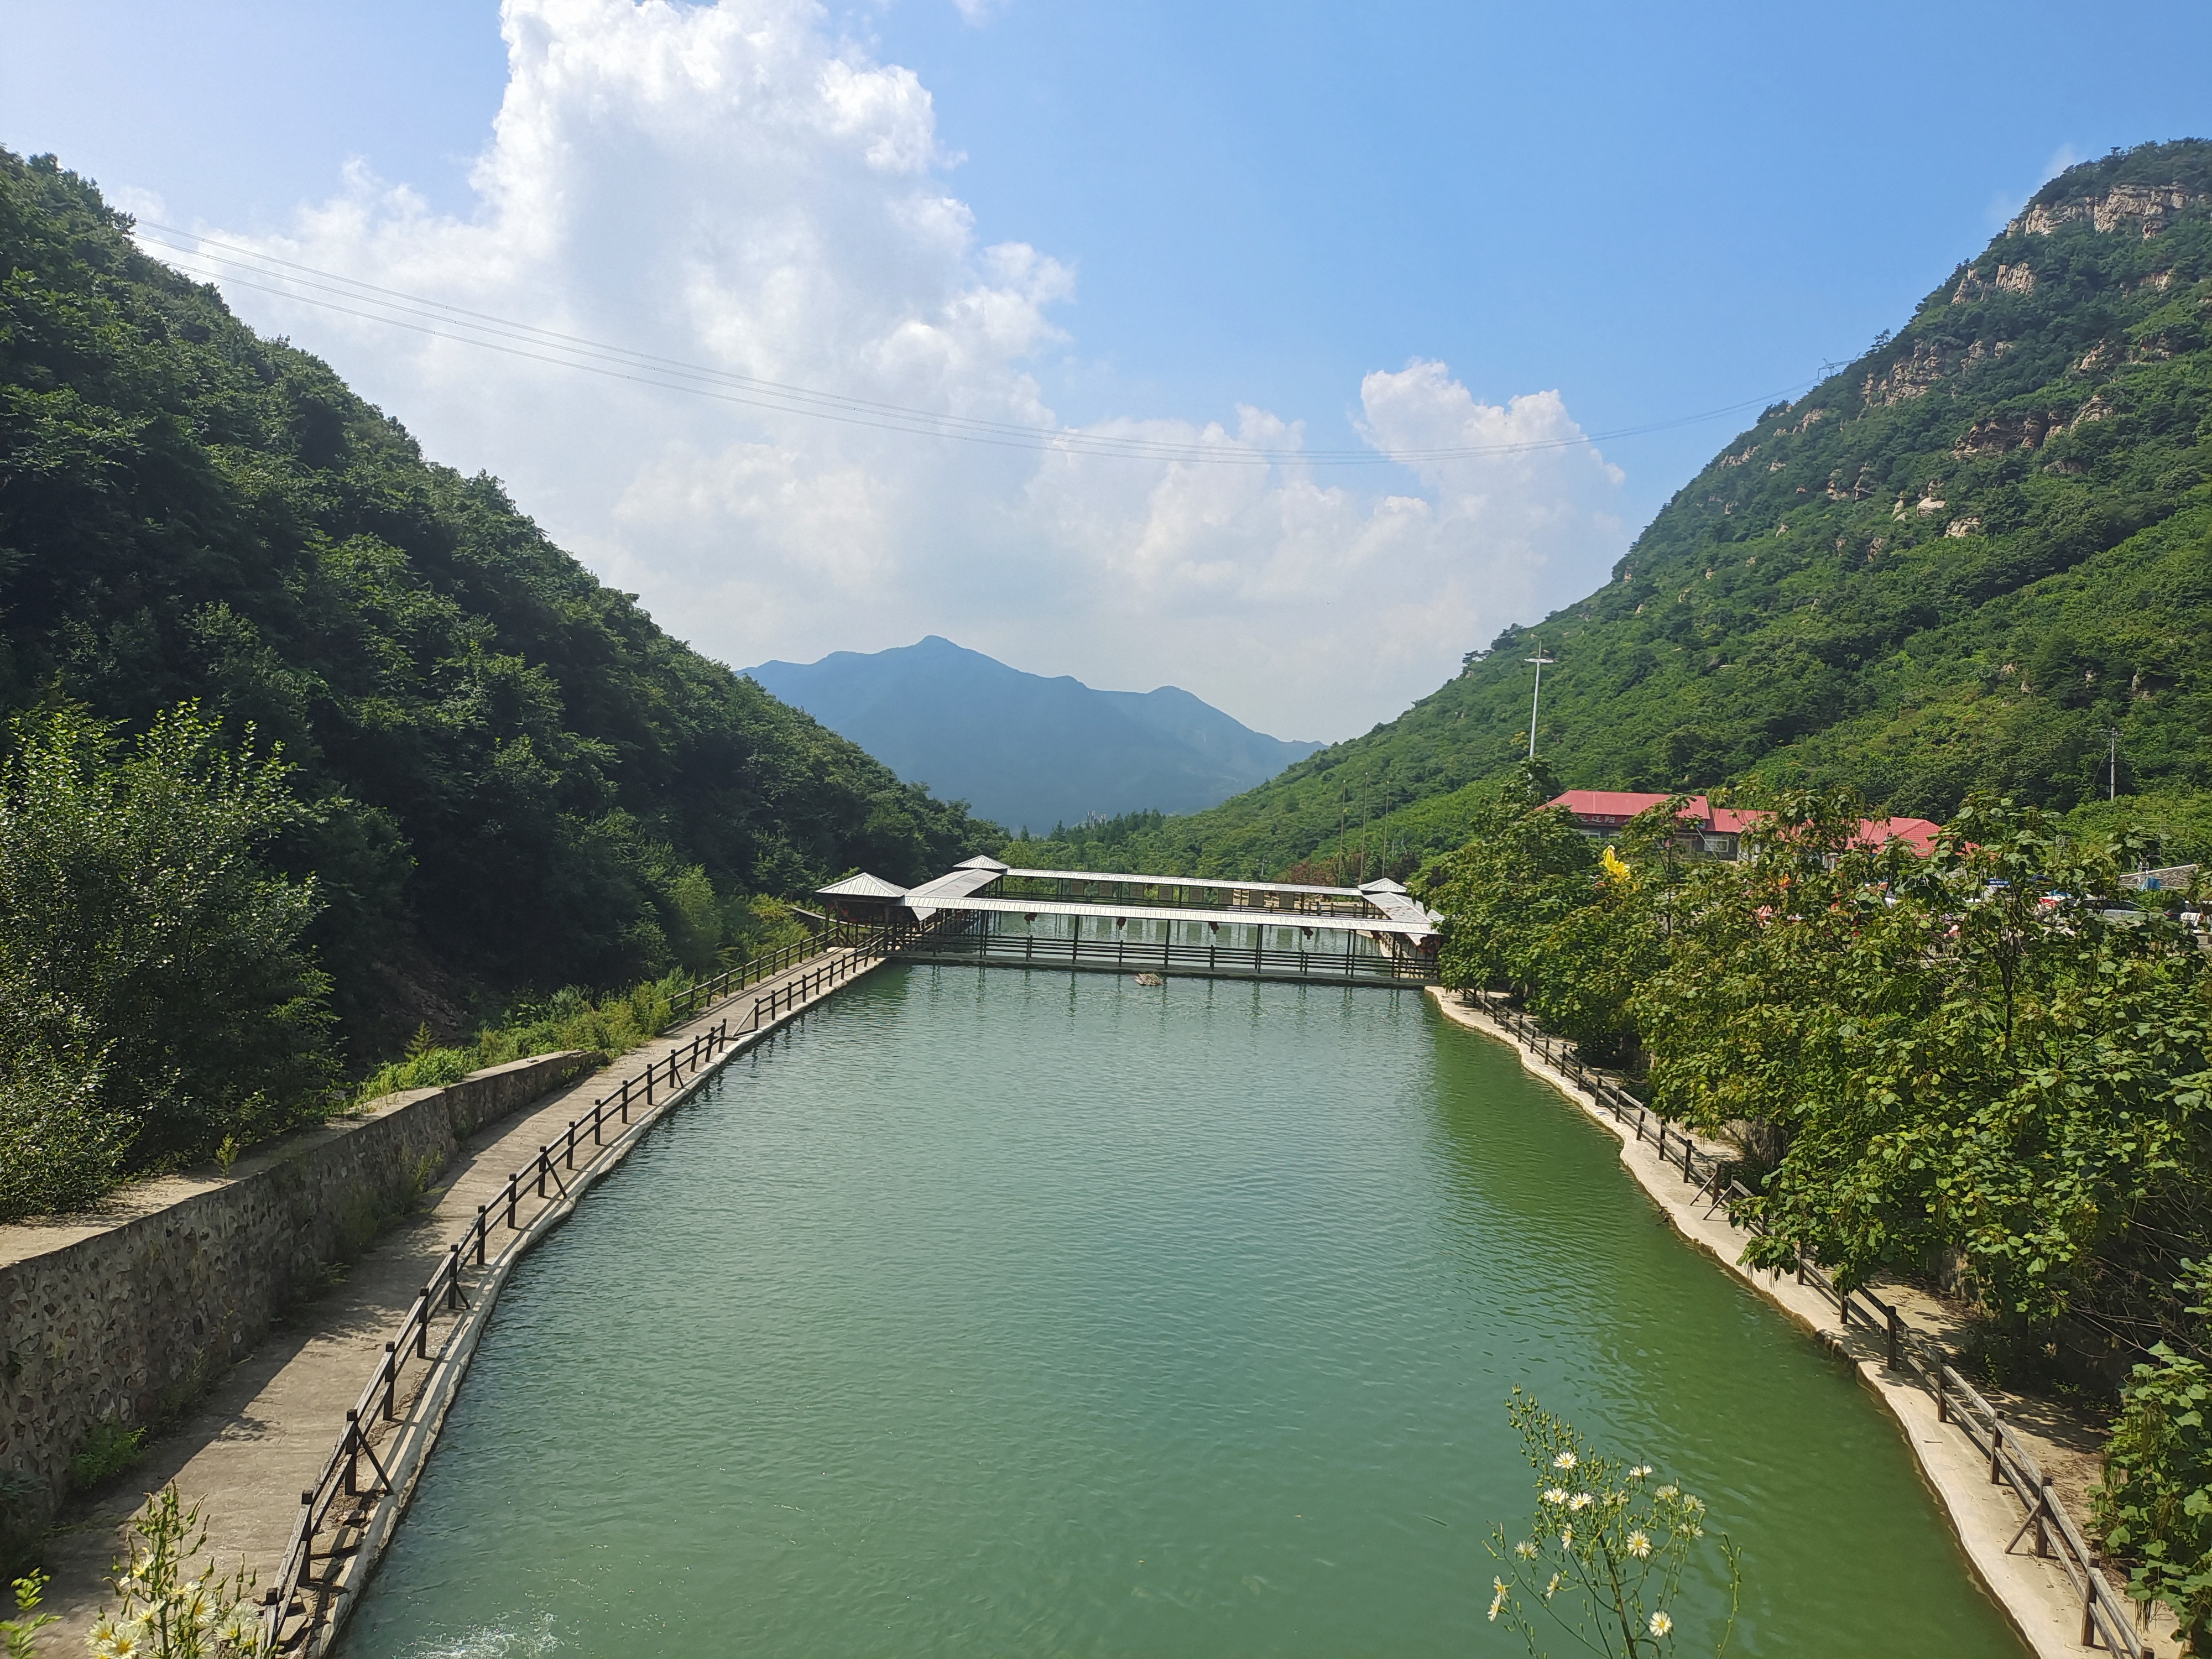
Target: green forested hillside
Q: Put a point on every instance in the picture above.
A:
(1954, 564)
(514, 779)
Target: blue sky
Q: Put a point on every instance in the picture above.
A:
(1650, 211)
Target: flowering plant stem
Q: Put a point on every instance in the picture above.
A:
(163, 1609)
(1604, 1552)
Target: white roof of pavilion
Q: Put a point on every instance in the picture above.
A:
(1308, 921)
(1240, 885)
(949, 890)
(1400, 906)
(862, 885)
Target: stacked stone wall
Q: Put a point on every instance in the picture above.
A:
(121, 1316)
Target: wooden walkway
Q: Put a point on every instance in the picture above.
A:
(263, 1432)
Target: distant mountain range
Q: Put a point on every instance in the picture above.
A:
(1023, 750)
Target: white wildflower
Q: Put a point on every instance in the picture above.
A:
(1661, 1624)
(1581, 1500)
(1639, 1543)
(1526, 1549)
(1497, 1600)
(1555, 1494)
(1564, 1461)
(1566, 1538)
(1666, 1492)
(1641, 1472)
(1552, 1589)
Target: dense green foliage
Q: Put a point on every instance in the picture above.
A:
(1986, 1070)
(1955, 1066)
(612, 1024)
(1948, 567)
(155, 999)
(2154, 1505)
(1537, 911)
(511, 778)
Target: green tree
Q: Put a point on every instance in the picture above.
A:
(1961, 1060)
(155, 997)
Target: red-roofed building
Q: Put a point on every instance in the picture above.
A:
(1717, 832)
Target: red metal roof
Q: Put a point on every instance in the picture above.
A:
(1919, 833)
(1619, 806)
(1622, 804)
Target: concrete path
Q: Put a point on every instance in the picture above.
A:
(2034, 1593)
(260, 1435)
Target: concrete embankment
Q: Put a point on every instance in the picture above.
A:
(260, 1432)
(2033, 1592)
(122, 1315)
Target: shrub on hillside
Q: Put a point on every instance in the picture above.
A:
(155, 997)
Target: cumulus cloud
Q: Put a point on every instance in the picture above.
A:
(736, 186)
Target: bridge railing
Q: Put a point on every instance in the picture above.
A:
(1166, 956)
(342, 1504)
(2105, 1619)
(688, 1002)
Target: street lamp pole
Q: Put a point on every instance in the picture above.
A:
(2112, 737)
(1537, 696)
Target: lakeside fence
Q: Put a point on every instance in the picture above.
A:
(336, 1512)
(2106, 1620)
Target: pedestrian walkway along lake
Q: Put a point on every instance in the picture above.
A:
(1004, 1313)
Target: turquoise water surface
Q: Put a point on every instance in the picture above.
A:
(1003, 1313)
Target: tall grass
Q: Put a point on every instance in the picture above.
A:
(569, 1018)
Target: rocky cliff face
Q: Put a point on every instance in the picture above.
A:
(2141, 210)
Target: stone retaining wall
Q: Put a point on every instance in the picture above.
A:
(123, 1313)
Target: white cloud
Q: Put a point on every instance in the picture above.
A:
(732, 185)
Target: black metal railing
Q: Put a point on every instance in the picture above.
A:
(687, 1003)
(965, 945)
(2104, 1617)
(336, 1511)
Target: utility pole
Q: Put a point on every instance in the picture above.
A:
(2112, 737)
(1537, 696)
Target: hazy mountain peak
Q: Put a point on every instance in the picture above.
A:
(1029, 750)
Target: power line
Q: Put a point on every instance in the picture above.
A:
(236, 266)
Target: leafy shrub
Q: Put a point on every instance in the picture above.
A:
(109, 1449)
(154, 995)
(569, 1018)
(2155, 1505)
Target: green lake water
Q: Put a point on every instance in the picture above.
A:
(1001, 1313)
